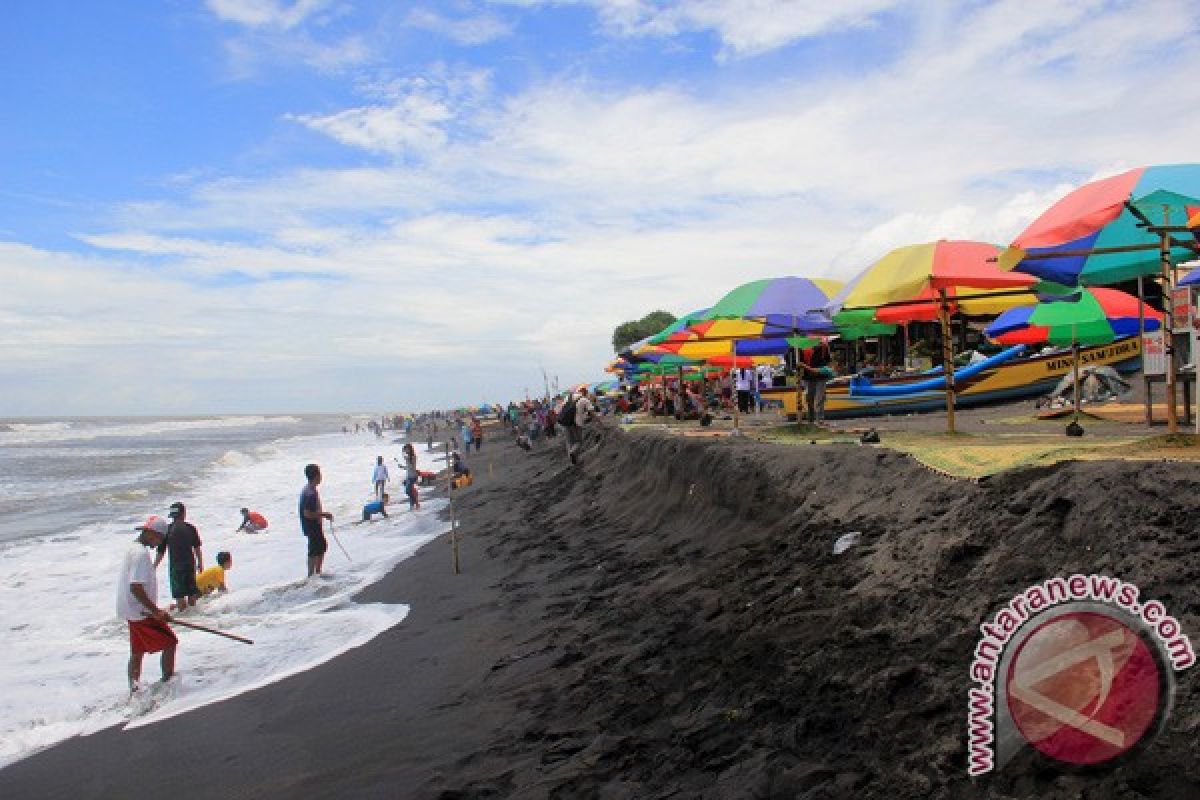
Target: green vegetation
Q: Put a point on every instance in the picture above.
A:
(629, 332)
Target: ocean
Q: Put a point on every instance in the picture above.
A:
(71, 492)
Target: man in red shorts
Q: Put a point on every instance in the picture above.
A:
(137, 603)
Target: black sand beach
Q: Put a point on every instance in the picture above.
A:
(668, 620)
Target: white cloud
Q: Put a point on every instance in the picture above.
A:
(265, 13)
(470, 30)
(499, 231)
(744, 27)
(415, 119)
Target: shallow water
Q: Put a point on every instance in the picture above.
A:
(72, 491)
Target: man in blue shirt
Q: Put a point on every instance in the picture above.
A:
(376, 507)
(312, 518)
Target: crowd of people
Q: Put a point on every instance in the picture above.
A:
(178, 542)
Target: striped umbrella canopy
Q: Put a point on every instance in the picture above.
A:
(775, 345)
(1097, 234)
(677, 326)
(741, 362)
(860, 324)
(916, 273)
(1084, 316)
(783, 305)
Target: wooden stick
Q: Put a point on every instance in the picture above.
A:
(947, 358)
(194, 626)
(453, 521)
(1169, 325)
(339, 542)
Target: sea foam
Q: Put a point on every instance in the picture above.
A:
(64, 673)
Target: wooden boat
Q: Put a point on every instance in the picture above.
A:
(998, 380)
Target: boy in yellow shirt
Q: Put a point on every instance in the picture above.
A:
(213, 578)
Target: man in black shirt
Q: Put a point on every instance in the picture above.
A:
(183, 544)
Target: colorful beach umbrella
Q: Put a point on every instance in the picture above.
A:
(1084, 317)
(784, 305)
(927, 274)
(677, 326)
(915, 275)
(1098, 234)
(1191, 279)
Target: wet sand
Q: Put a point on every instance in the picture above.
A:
(668, 620)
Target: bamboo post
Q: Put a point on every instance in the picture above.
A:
(737, 403)
(1169, 334)
(450, 499)
(799, 390)
(947, 358)
(1075, 369)
(1142, 349)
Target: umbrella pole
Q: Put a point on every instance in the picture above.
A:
(1142, 349)
(799, 385)
(1164, 251)
(735, 375)
(1075, 368)
(947, 358)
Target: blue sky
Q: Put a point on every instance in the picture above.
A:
(293, 205)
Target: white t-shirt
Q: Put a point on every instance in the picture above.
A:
(745, 379)
(381, 473)
(583, 410)
(136, 568)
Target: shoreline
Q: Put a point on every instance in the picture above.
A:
(670, 622)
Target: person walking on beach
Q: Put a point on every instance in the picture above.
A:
(186, 557)
(576, 413)
(380, 476)
(312, 518)
(137, 604)
(411, 477)
(465, 432)
(477, 433)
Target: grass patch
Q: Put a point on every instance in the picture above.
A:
(973, 455)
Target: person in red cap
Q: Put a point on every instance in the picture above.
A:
(137, 604)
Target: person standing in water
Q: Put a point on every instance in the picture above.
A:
(137, 604)
(312, 518)
(380, 476)
(186, 557)
(411, 477)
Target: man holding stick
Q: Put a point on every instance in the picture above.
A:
(137, 604)
(311, 520)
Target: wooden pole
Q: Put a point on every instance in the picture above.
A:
(947, 358)
(799, 389)
(799, 384)
(1142, 349)
(1168, 336)
(194, 626)
(735, 375)
(1075, 369)
(450, 498)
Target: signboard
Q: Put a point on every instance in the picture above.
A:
(1154, 353)
(1181, 301)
